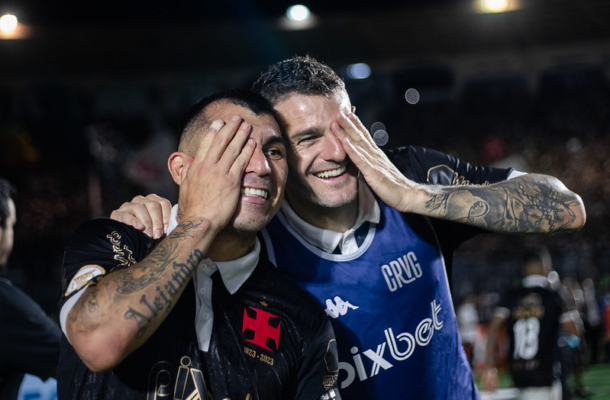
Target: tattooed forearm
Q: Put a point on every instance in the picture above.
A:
(117, 315)
(135, 280)
(536, 204)
(183, 230)
(149, 308)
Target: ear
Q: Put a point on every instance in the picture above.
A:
(175, 163)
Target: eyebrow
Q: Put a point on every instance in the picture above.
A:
(313, 131)
(275, 140)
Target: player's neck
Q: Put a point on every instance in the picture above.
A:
(230, 245)
(338, 219)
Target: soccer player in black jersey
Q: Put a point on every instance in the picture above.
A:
(201, 313)
(533, 316)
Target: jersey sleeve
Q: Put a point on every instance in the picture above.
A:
(425, 165)
(97, 248)
(319, 368)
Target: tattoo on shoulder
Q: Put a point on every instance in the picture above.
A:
(85, 313)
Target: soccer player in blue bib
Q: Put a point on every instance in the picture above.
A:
(370, 235)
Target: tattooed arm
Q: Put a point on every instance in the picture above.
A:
(527, 204)
(116, 316)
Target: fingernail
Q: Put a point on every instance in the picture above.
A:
(158, 233)
(245, 126)
(149, 232)
(217, 124)
(165, 228)
(236, 118)
(139, 225)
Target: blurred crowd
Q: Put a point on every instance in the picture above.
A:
(592, 322)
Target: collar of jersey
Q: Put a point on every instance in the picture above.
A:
(234, 273)
(325, 239)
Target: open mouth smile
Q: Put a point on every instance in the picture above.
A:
(331, 174)
(246, 191)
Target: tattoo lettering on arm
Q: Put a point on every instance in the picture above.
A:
(512, 206)
(117, 315)
(158, 261)
(139, 279)
(162, 301)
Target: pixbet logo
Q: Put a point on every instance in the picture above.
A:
(400, 346)
(261, 328)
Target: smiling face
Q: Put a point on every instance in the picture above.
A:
(265, 176)
(321, 175)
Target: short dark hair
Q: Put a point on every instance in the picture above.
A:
(301, 75)
(196, 121)
(7, 191)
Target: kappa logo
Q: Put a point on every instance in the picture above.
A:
(339, 307)
(262, 328)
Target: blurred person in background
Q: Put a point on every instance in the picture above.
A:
(606, 305)
(29, 339)
(576, 353)
(592, 320)
(468, 325)
(533, 315)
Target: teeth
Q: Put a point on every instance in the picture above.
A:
(254, 192)
(331, 173)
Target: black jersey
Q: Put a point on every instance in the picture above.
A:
(424, 165)
(270, 339)
(533, 329)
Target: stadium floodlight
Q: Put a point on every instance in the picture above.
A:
(297, 17)
(8, 23)
(497, 6)
(298, 13)
(358, 71)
